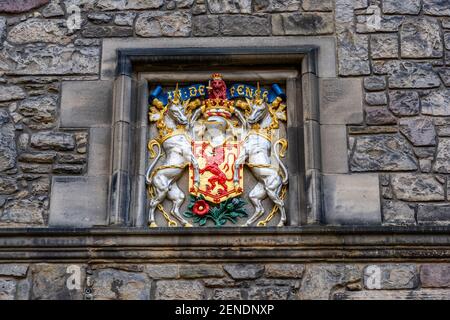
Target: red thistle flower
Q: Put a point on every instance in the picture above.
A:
(200, 208)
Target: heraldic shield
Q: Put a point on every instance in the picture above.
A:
(215, 131)
(216, 168)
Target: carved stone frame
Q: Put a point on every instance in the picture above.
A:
(129, 137)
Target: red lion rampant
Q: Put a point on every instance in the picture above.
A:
(212, 166)
(217, 88)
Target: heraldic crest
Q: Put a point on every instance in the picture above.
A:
(216, 132)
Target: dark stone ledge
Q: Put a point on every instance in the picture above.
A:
(308, 244)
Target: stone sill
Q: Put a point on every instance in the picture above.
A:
(306, 244)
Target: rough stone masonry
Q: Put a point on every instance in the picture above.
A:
(402, 58)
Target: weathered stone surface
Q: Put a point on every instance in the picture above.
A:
(205, 26)
(375, 83)
(11, 92)
(111, 284)
(230, 6)
(35, 168)
(244, 25)
(376, 98)
(7, 288)
(49, 283)
(40, 111)
(276, 5)
(72, 158)
(19, 6)
(129, 4)
(95, 31)
(435, 275)
(433, 214)
(436, 7)
(8, 185)
(125, 19)
(387, 24)
(26, 211)
(49, 60)
(269, 293)
(8, 149)
(40, 186)
(447, 40)
(353, 54)
(379, 116)
(179, 290)
(417, 187)
(53, 10)
(227, 294)
(320, 279)
(401, 7)
(421, 38)
(53, 140)
(41, 157)
(302, 23)
(423, 294)
(351, 199)
(404, 103)
(162, 271)
(420, 131)
(397, 213)
(317, 5)
(163, 24)
(14, 270)
(393, 276)
(384, 152)
(99, 18)
(284, 270)
(39, 30)
(406, 74)
(445, 75)
(384, 46)
(67, 169)
(244, 271)
(442, 163)
(200, 271)
(2, 31)
(437, 103)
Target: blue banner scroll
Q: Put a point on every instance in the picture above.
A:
(237, 90)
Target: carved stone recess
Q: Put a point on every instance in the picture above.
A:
(19, 6)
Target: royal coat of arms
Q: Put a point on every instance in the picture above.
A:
(214, 131)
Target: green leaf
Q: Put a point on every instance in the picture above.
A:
(203, 221)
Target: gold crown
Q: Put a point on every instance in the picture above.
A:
(216, 76)
(218, 107)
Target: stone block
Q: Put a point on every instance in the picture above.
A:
(49, 282)
(401, 7)
(78, 202)
(227, 294)
(417, 187)
(8, 289)
(436, 7)
(269, 293)
(435, 275)
(433, 214)
(334, 148)
(163, 24)
(423, 294)
(287, 270)
(302, 23)
(421, 38)
(341, 101)
(391, 276)
(320, 279)
(162, 271)
(244, 271)
(245, 25)
(99, 151)
(312, 140)
(14, 270)
(111, 284)
(200, 271)
(86, 104)
(352, 199)
(179, 290)
(398, 213)
(384, 46)
(230, 6)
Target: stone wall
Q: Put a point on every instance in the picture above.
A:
(396, 152)
(275, 281)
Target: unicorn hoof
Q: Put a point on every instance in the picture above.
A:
(281, 224)
(153, 225)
